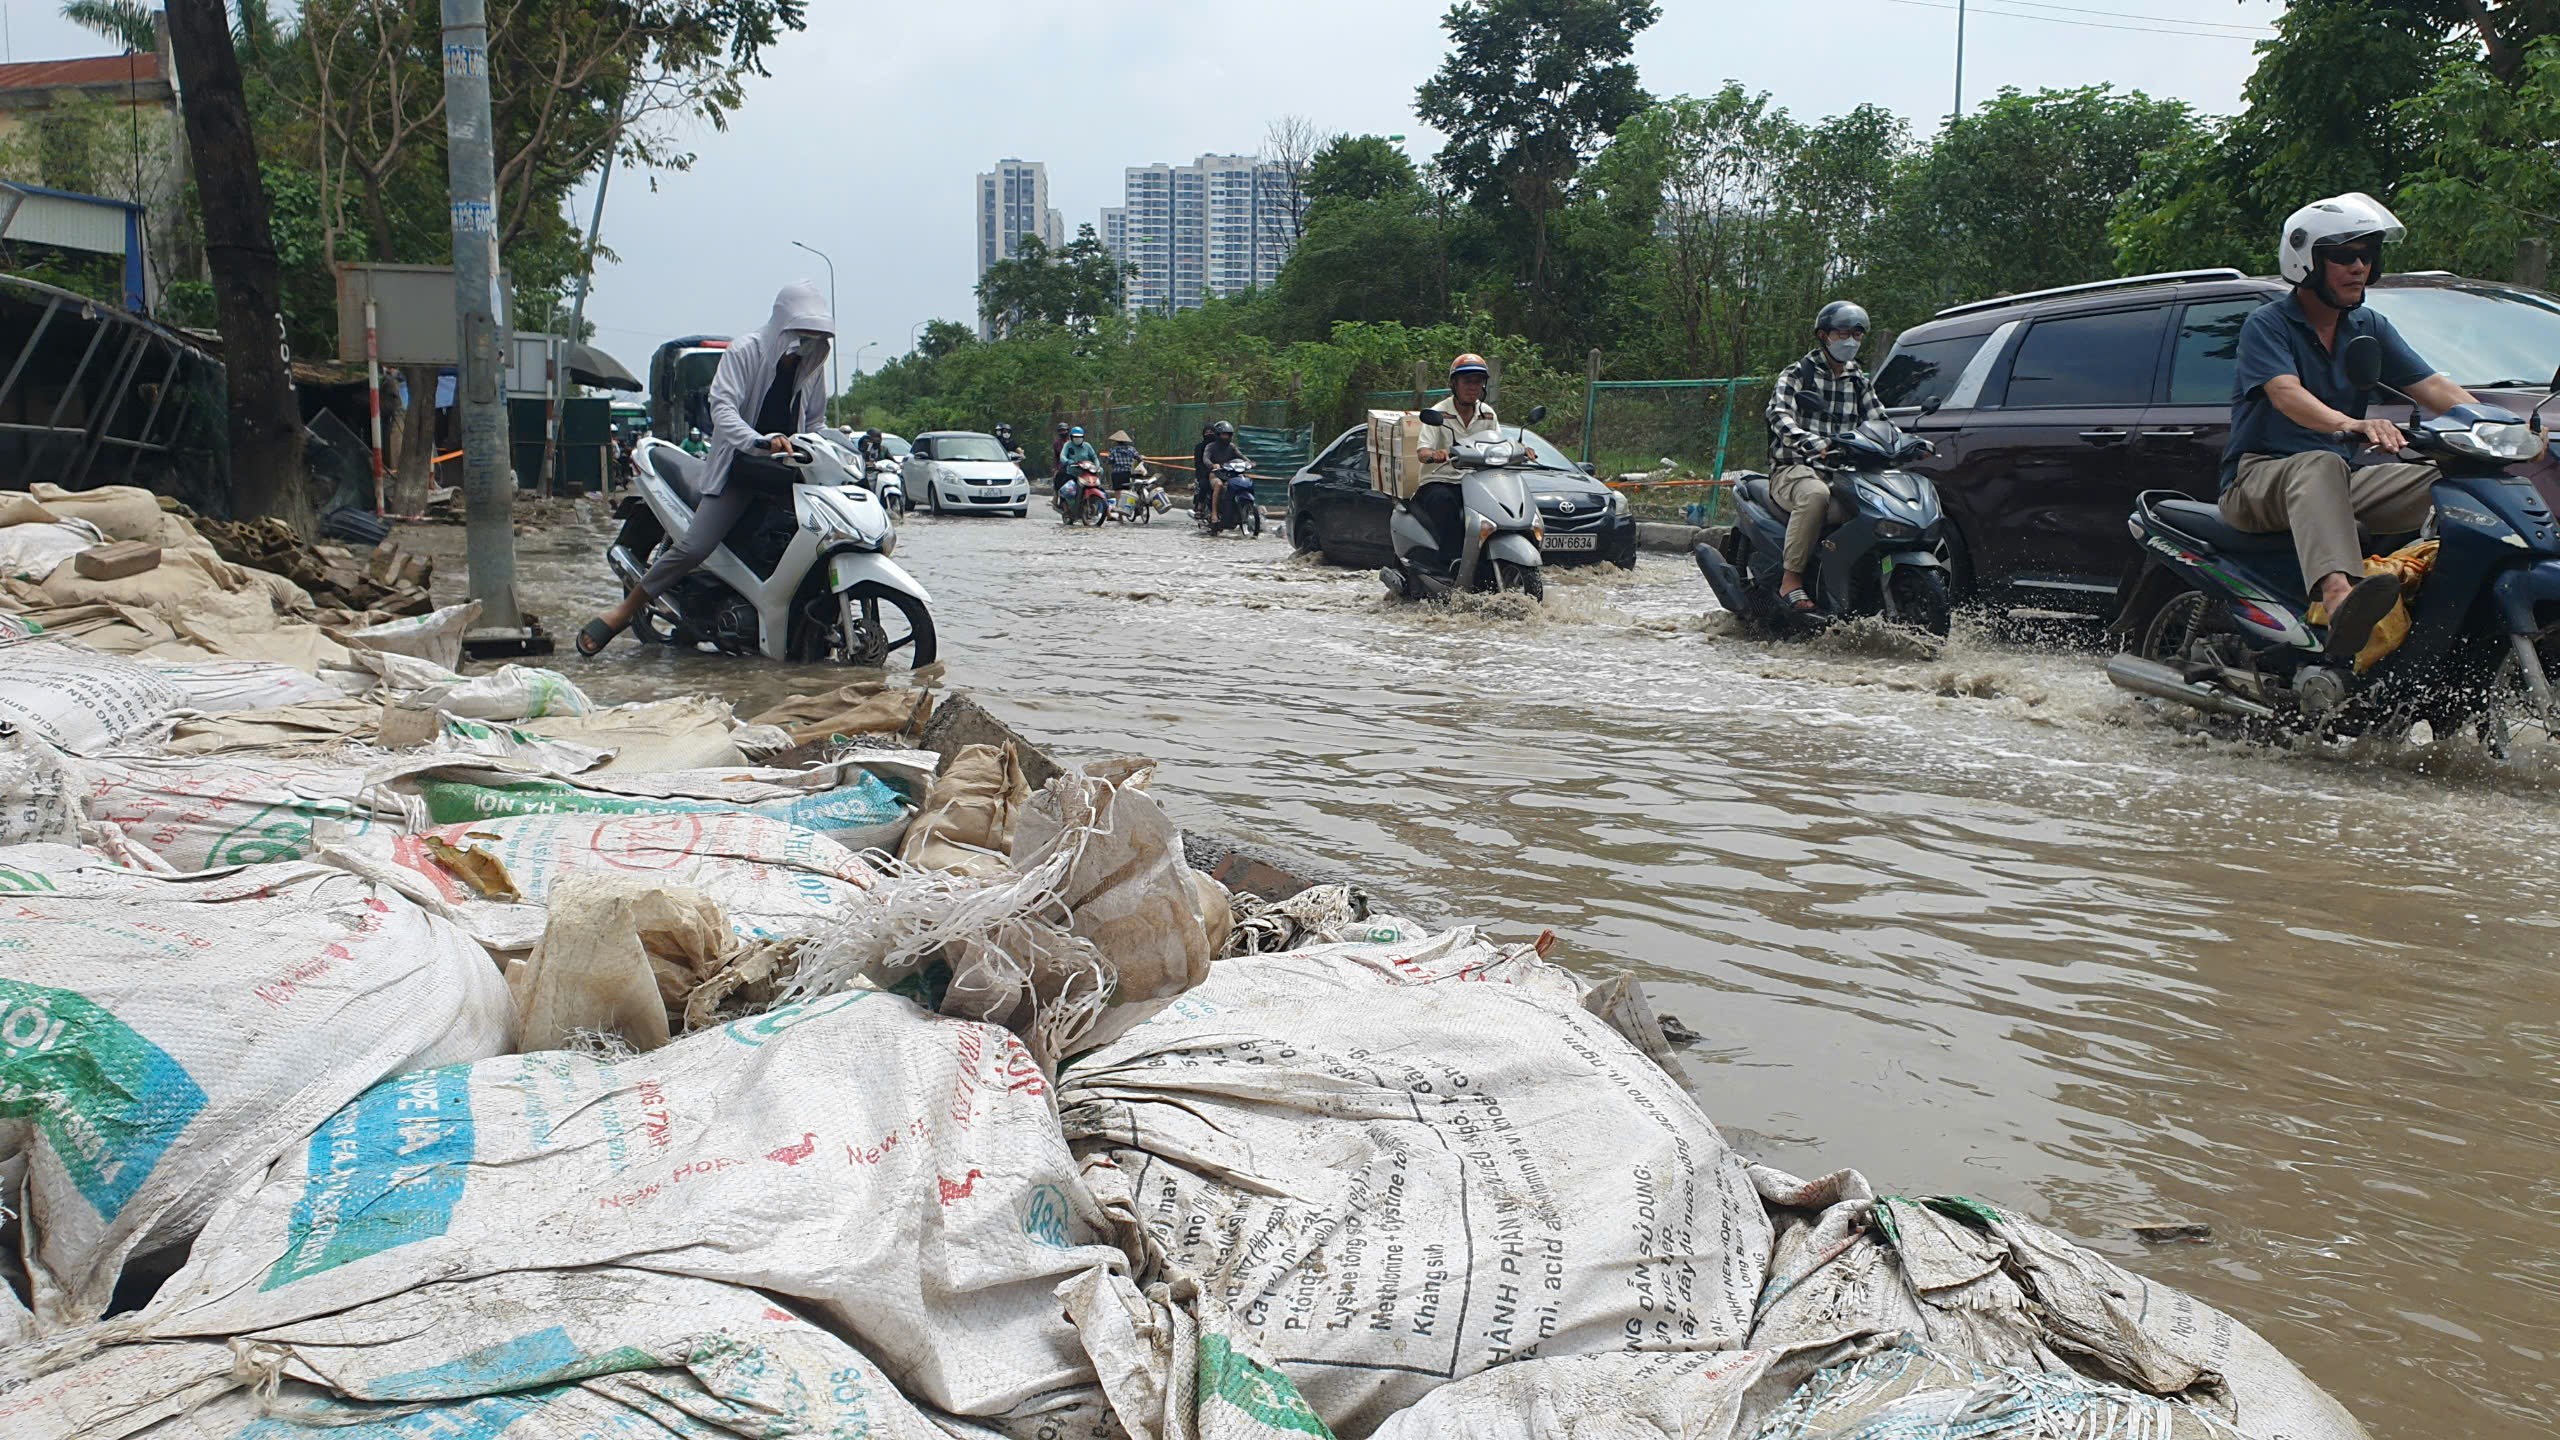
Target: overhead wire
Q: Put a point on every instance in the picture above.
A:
(1979, 9)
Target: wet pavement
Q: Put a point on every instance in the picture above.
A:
(1972, 922)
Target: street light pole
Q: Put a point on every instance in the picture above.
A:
(1959, 112)
(857, 357)
(832, 391)
(915, 335)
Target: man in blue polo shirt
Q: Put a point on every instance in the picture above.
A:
(2286, 467)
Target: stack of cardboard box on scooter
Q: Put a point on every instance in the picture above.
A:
(1395, 442)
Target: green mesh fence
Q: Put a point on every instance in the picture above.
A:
(1680, 434)
(1278, 441)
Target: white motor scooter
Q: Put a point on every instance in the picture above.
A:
(804, 576)
(1478, 530)
(889, 485)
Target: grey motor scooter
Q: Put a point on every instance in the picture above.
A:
(1475, 531)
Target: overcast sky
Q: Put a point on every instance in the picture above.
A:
(866, 139)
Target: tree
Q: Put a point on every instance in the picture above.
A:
(1707, 176)
(265, 423)
(1359, 167)
(941, 337)
(1528, 90)
(2323, 116)
(2018, 195)
(2492, 177)
(570, 80)
(1291, 144)
(1071, 287)
(127, 22)
(1365, 259)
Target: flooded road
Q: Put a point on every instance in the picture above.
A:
(1972, 924)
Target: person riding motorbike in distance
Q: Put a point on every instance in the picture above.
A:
(1004, 437)
(1468, 415)
(771, 385)
(1821, 395)
(1074, 452)
(1219, 448)
(871, 447)
(2297, 425)
(1125, 465)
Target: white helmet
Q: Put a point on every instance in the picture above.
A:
(2334, 221)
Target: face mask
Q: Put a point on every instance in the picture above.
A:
(1844, 349)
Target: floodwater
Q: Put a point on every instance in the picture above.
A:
(1972, 924)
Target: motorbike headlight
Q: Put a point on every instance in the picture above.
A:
(2497, 441)
(1896, 530)
(889, 541)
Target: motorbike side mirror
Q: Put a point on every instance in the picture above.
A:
(1537, 413)
(2363, 358)
(1433, 417)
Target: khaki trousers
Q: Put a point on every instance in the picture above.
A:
(1806, 497)
(2320, 498)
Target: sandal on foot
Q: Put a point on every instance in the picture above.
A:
(1798, 601)
(595, 635)
(2364, 607)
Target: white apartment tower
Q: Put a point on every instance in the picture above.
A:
(1218, 226)
(1013, 201)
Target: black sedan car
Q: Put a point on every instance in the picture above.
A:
(1333, 508)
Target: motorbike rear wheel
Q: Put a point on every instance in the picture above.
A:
(1097, 511)
(1919, 596)
(1252, 521)
(2181, 621)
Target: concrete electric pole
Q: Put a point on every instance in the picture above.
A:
(488, 485)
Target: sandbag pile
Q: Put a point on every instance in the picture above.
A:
(388, 1051)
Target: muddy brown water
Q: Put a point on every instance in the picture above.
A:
(1972, 923)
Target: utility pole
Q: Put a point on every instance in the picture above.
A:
(577, 322)
(488, 487)
(1959, 110)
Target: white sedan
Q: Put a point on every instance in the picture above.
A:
(954, 472)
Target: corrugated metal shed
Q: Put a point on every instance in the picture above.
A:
(56, 217)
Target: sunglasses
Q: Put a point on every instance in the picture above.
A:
(2368, 256)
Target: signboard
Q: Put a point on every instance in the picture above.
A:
(414, 316)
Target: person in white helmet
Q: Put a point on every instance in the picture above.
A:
(2286, 467)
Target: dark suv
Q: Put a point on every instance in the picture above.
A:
(2050, 411)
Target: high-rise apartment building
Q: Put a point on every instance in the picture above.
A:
(1013, 201)
(1218, 226)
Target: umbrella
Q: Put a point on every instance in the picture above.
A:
(591, 366)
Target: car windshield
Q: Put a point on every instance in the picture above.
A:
(2483, 336)
(893, 447)
(1551, 456)
(976, 448)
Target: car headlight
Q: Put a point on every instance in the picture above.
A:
(1618, 502)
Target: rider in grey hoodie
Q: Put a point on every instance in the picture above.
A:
(771, 385)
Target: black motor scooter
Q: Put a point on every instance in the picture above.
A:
(2216, 618)
(1881, 549)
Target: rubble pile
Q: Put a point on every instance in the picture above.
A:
(393, 1051)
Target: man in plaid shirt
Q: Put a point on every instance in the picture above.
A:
(1816, 398)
